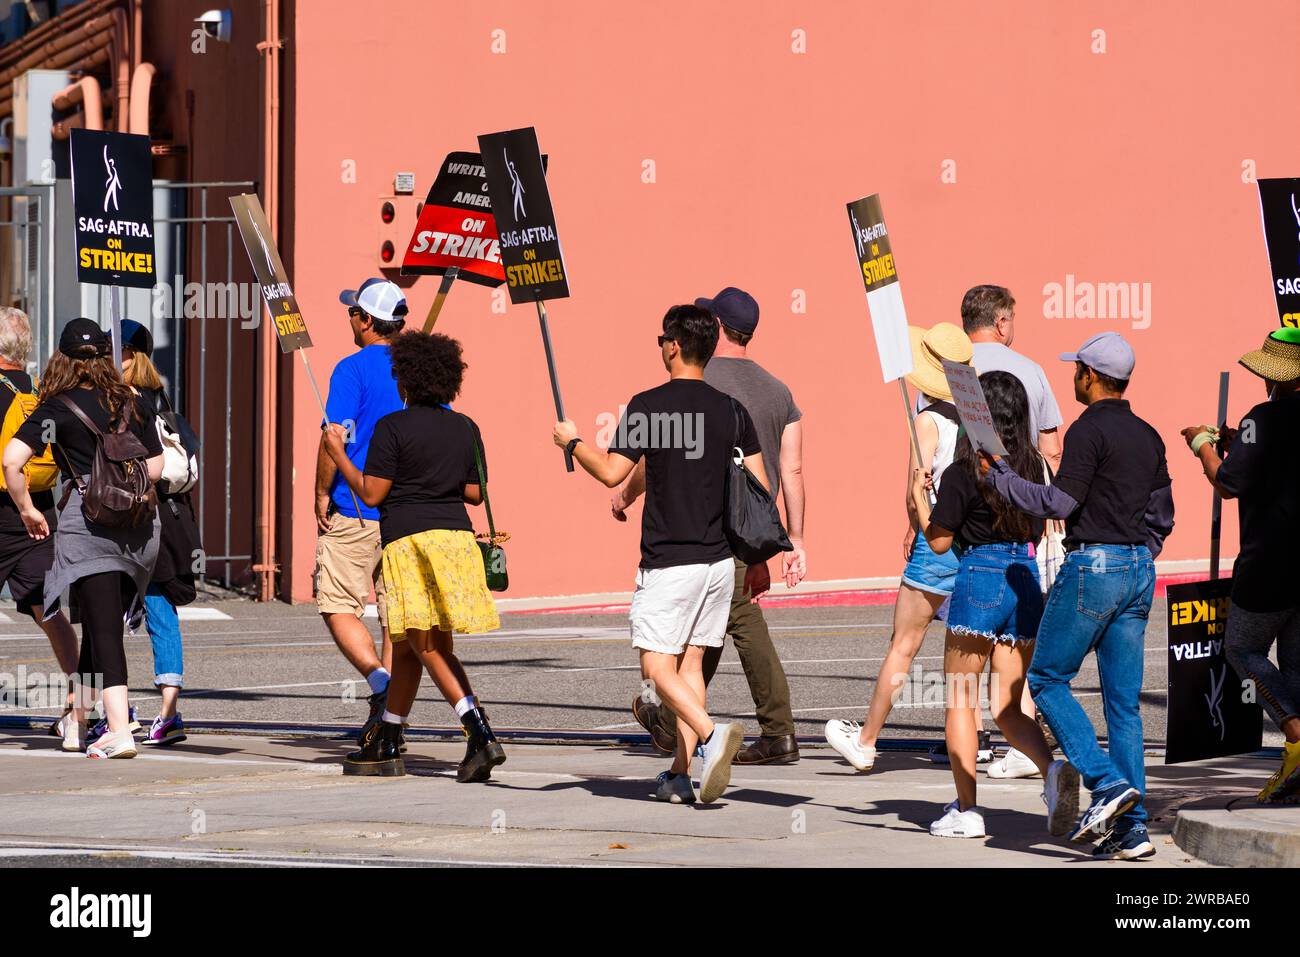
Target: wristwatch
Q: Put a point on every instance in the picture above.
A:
(572, 442)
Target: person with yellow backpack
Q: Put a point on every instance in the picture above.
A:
(24, 560)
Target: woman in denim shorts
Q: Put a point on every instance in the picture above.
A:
(996, 604)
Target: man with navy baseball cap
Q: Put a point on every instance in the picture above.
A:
(1113, 491)
(362, 391)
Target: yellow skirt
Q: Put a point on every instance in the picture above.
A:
(434, 579)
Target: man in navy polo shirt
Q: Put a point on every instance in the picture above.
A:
(1113, 491)
(362, 391)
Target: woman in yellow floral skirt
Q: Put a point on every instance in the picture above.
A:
(420, 471)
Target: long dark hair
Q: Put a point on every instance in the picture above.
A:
(62, 374)
(1009, 406)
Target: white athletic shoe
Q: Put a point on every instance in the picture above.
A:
(1061, 795)
(74, 734)
(113, 745)
(957, 823)
(1013, 764)
(718, 755)
(845, 738)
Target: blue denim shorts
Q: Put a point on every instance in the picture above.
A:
(997, 595)
(927, 571)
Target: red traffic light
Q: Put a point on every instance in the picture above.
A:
(387, 213)
(386, 251)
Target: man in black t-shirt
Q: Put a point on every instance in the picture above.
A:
(1114, 493)
(25, 560)
(686, 431)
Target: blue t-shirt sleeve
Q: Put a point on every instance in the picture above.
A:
(344, 402)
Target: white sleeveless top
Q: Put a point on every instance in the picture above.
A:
(947, 446)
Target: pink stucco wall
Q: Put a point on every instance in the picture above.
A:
(1122, 166)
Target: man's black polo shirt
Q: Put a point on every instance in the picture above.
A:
(1111, 463)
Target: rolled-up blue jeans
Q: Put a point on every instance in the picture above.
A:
(1099, 602)
(165, 635)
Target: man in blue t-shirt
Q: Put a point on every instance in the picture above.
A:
(362, 391)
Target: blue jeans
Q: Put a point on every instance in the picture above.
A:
(165, 635)
(1099, 602)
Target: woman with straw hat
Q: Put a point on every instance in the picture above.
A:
(928, 578)
(1262, 471)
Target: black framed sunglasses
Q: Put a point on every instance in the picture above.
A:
(663, 339)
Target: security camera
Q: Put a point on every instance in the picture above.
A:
(216, 24)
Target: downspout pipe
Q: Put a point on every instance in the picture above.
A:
(141, 82)
(86, 92)
(270, 351)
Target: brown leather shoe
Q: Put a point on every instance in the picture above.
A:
(647, 715)
(781, 749)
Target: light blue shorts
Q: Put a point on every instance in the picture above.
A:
(927, 571)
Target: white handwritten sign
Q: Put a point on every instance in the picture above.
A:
(968, 397)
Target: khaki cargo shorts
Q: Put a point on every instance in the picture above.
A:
(348, 565)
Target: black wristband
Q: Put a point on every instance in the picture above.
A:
(572, 443)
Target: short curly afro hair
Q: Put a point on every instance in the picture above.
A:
(427, 366)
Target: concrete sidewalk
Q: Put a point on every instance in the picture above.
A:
(248, 799)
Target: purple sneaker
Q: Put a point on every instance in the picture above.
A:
(165, 730)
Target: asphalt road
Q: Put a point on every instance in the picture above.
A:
(276, 662)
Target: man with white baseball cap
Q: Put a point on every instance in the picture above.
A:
(362, 391)
(1113, 491)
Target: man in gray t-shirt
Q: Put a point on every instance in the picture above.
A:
(777, 421)
(988, 315)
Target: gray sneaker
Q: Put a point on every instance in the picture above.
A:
(1061, 795)
(718, 755)
(675, 789)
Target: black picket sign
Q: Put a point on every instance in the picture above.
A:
(112, 198)
(1279, 202)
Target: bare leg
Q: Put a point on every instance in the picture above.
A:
(671, 688)
(386, 655)
(170, 695)
(434, 651)
(404, 685)
(690, 668)
(117, 708)
(964, 657)
(354, 640)
(1010, 663)
(913, 611)
(63, 640)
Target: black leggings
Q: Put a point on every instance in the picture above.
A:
(99, 598)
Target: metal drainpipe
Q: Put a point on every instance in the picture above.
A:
(86, 92)
(140, 84)
(270, 49)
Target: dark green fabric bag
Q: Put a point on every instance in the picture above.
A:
(494, 556)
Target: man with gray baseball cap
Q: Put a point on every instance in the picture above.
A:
(1113, 491)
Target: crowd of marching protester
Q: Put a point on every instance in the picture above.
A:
(1033, 559)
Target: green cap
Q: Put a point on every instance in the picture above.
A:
(1286, 334)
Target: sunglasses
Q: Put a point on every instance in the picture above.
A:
(663, 339)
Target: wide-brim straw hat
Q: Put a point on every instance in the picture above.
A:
(943, 340)
(1279, 359)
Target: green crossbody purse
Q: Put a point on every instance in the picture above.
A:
(494, 556)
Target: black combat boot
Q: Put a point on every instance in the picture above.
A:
(482, 752)
(379, 752)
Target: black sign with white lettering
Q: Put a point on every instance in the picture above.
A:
(1212, 712)
(530, 244)
(112, 198)
(1279, 203)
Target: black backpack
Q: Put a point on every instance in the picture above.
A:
(120, 493)
(749, 517)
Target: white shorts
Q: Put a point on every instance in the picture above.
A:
(682, 605)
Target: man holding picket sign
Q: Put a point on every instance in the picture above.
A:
(1114, 492)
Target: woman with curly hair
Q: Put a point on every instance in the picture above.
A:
(107, 569)
(421, 471)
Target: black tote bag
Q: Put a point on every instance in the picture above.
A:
(749, 518)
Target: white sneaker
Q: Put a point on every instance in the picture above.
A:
(1061, 795)
(845, 738)
(957, 823)
(74, 734)
(1013, 764)
(718, 755)
(111, 745)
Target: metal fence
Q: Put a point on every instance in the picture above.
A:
(204, 346)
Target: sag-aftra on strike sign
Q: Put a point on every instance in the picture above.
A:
(112, 197)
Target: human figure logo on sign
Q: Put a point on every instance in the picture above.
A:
(112, 199)
(530, 243)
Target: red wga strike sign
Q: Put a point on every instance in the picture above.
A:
(456, 226)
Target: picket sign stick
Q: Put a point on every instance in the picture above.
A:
(115, 324)
(550, 367)
(911, 430)
(325, 418)
(444, 287)
(1216, 509)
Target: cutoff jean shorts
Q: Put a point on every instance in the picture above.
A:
(997, 594)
